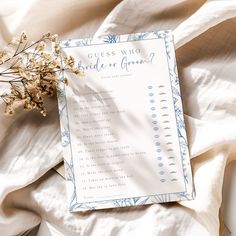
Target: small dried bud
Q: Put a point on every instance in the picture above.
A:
(46, 36)
(9, 109)
(77, 71)
(43, 112)
(70, 61)
(65, 81)
(54, 38)
(40, 46)
(23, 36)
(56, 48)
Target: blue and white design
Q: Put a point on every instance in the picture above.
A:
(152, 101)
(111, 38)
(188, 194)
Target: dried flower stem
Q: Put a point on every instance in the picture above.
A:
(32, 72)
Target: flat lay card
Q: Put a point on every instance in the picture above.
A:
(122, 126)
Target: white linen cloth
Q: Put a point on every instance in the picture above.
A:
(205, 39)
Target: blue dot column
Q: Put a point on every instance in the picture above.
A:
(157, 143)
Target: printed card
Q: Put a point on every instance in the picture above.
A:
(122, 125)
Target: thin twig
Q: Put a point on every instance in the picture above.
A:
(23, 50)
(18, 46)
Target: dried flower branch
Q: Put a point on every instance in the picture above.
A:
(32, 71)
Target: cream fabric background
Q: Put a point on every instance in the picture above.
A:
(205, 39)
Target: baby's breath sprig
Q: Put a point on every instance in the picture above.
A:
(32, 71)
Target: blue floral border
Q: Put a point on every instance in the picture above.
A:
(189, 192)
